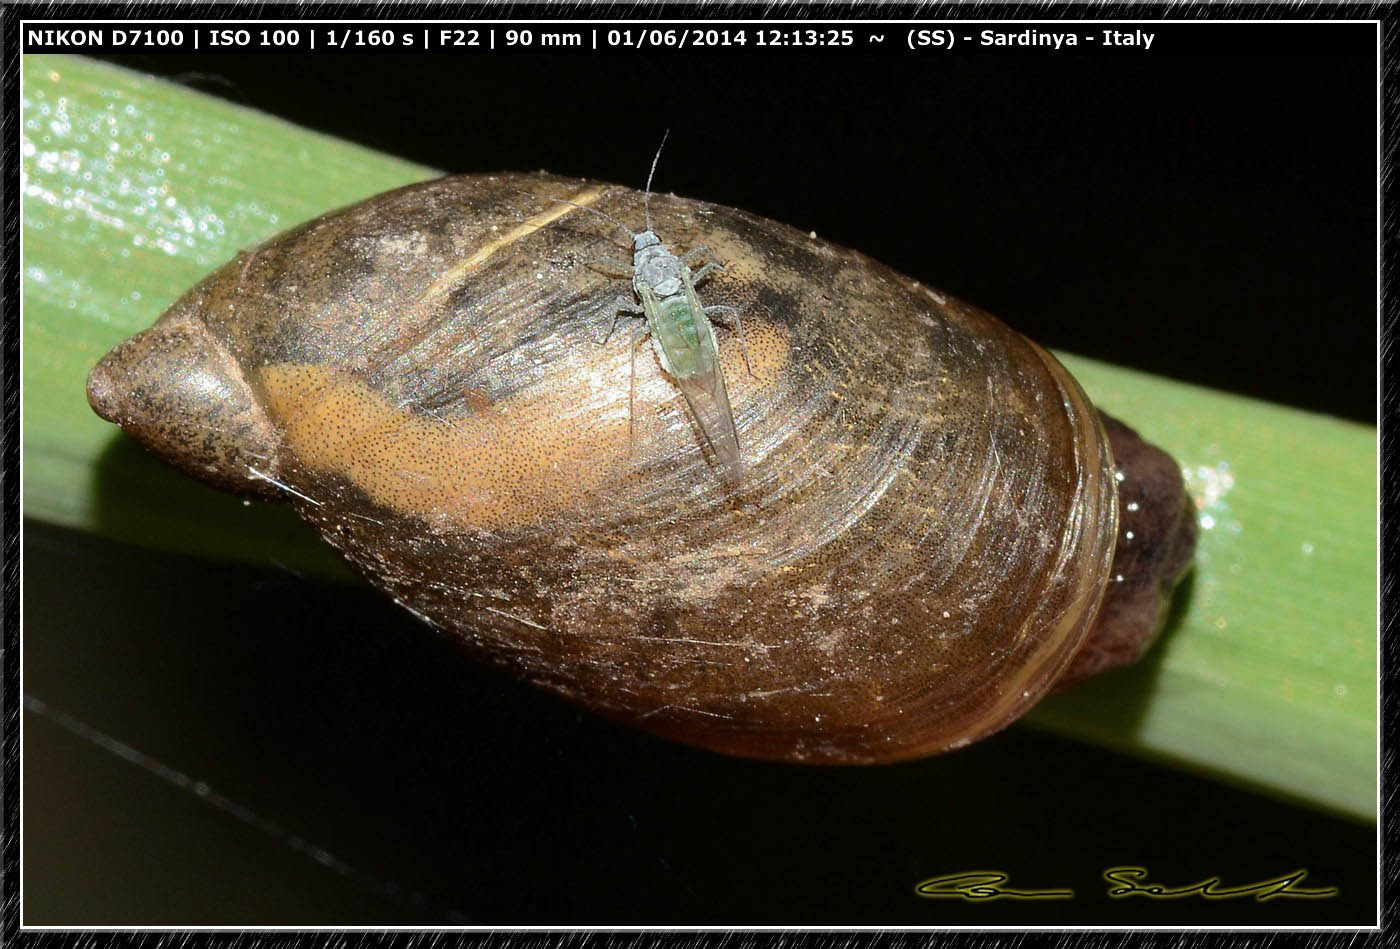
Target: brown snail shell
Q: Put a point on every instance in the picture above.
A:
(918, 550)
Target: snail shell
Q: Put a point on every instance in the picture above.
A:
(918, 550)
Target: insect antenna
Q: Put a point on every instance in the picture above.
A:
(646, 201)
(582, 207)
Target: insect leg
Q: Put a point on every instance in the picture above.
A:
(703, 251)
(738, 328)
(623, 304)
(704, 271)
(612, 267)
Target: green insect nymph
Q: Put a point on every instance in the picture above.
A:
(684, 340)
(679, 326)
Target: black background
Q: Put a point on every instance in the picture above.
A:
(1209, 217)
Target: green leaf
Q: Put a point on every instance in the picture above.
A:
(134, 189)
(1269, 674)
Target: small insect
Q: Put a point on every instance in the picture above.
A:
(678, 325)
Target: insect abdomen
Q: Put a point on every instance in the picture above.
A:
(682, 337)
